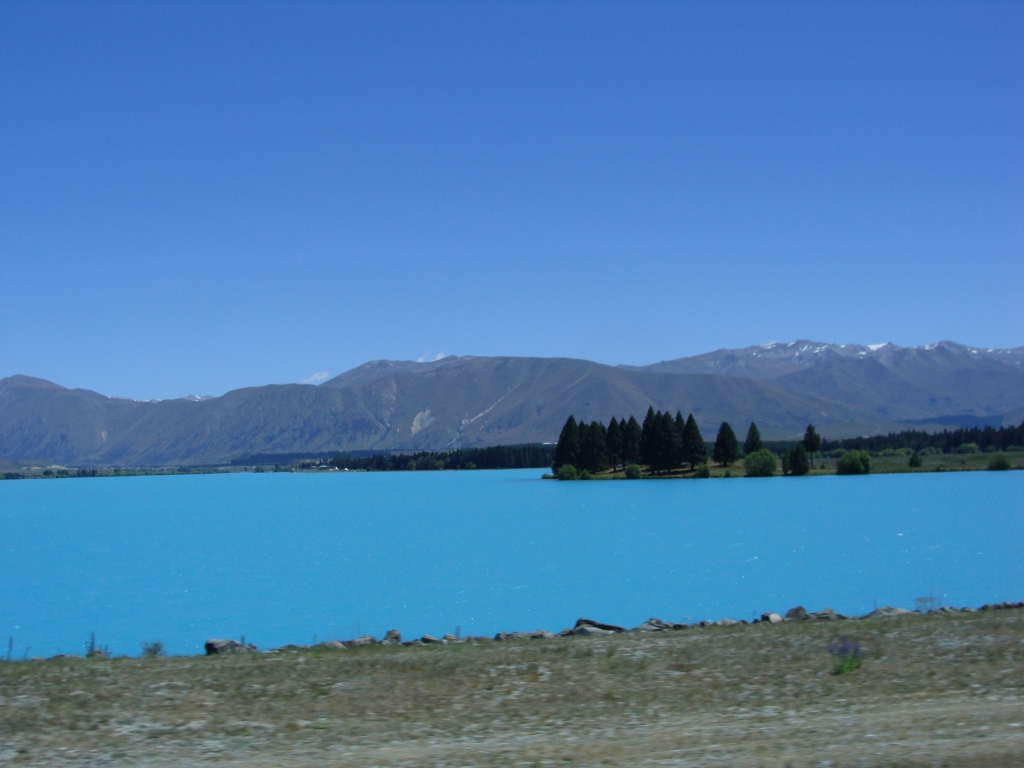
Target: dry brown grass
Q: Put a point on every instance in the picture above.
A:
(935, 690)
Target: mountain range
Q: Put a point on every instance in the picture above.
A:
(478, 401)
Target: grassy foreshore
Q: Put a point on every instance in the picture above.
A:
(932, 690)
(880, 465)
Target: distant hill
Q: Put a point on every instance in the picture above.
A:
(455, 402)
(478, 401)
(883, 381)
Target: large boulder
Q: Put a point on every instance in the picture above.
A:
(360, 642)
(796, 614)
(392, 637)
(587, 630)
(771, 618)
(598, 625)
(331, 645)
(213, 647)
(887, 611)
(826, 614)
(657, 625)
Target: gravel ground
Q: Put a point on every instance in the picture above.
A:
(933, 690)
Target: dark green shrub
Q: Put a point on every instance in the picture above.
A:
(854, 463)
(703, 470)
(1016, 448)
(999, 462)
(566, 472)
(988, 449)
(967, 448)
(633, 472)
(760, 463)
(915, 460)
(585, 475)
(929, 451)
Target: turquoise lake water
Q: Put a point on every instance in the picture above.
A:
(280, 558)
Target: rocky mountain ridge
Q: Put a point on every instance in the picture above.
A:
(477, 401)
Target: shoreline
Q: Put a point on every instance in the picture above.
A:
(927, 689)
(583, 627)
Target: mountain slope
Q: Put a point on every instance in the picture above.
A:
(883, 380)
(478, 401)
(454, 402)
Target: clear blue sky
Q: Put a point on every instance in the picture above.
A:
(198, 197)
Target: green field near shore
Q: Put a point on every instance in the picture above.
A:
(942, 462)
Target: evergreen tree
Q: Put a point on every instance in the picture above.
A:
(568, 448)
(648, 441)
(812, 441)
(631, 442)
(753, 442)
(613, 442)
(694, 450)
(726, 450)
(796, 461)
(592, 447)
(668, 442)
(679, 427)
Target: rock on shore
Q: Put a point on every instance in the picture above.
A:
(589, 627)
(214, 647)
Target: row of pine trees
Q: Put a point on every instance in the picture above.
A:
(663, 442)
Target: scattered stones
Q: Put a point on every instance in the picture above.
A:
(583, 627)
(216, 646)
(331, 645)
(539, 634)
(1000, 606)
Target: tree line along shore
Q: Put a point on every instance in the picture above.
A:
(667, 446)
(667, 454)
